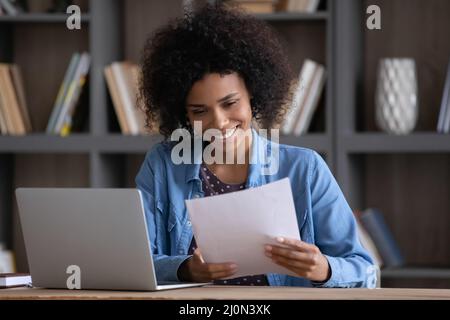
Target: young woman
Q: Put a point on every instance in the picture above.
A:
(225, 70)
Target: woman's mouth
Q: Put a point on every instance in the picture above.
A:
(228, 133)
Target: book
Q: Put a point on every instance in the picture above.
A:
(3, 124)
(128, 102)
(16, 76)
(68, 96)
(132, 75)
(10, 8)
(11, 280)
(122, 79)
(311, 101)
(304, 80)
(117, 101)
(373, 221)
(444, 113)
(367, 241)
(62, 92)
(254, 6)
(10, 103)
(7, 262)
(307, 6)
(305, 99)
(312, 6)
(64, 121)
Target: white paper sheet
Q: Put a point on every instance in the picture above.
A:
(234, 227)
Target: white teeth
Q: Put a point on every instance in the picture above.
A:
(228, 133)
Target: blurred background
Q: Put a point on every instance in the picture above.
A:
(372, 99)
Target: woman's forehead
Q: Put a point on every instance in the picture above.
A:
(217, 86)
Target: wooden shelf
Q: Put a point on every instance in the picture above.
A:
(118, 143)
(317, 141)
(293, 16)
(41, 18)
(43, 143)
(416, 273)
(420, 142)
(121, 143)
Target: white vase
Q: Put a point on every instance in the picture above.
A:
(396, 95)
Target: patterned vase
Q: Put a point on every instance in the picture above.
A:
(396, 95)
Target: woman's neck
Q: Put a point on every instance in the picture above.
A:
(237, 170)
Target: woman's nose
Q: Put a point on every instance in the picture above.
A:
(220, 119)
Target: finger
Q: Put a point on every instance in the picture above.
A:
(205, 274)
(298, 271)
(202, 277)
(219, 267)
(296, 244)
(221, 275)
(302, 257)
(290, 254)
(292, 263)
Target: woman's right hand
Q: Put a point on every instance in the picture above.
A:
(195, 269)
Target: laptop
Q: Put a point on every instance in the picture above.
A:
(97, 235)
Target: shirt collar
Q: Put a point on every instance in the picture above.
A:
(260, 157)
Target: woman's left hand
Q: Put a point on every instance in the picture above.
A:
(303, 258)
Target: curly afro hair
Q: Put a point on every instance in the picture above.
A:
(213, 39)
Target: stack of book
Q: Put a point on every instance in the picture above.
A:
(307, 6)
(61, 119)
(14, 117)
(376, 237)
(122, 79)
(12, 280)
(444, 113)
(7, 261)
(255, 6)
(9, 7)
(15, 7)
(305, 98)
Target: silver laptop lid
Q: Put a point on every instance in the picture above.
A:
(102, 231)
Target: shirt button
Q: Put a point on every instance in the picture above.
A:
(189, 223)
(197, 196)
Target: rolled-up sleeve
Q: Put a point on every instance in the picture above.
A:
(335, 230)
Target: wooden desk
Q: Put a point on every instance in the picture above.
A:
(229, 292)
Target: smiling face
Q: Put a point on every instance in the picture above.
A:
(221, 102)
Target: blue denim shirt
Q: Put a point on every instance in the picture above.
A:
(324, 217)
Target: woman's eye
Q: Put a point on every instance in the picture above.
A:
(229, 104)
(197, 111)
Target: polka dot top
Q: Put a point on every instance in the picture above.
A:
(213, 186)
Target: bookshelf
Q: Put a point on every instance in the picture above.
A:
(342, 129)
(406, 177)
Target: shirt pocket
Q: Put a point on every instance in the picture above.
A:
(172, 220)
(166, 212)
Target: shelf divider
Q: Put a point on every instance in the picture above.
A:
(42, 18)
(105, 47)
(379, 142)
(416, 273)
(293, 16)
